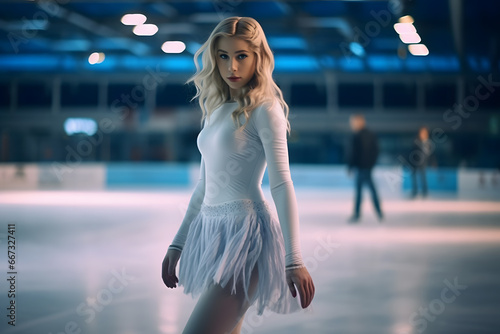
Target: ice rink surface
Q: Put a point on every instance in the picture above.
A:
(90, 262)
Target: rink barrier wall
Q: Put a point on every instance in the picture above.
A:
(95, 176)
(172, 174)
(442, 179)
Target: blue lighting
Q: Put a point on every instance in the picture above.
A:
(68, 63)
(27, 24)
(357, 49)
(351, 64)
(479, 64)
(296, 64)
(183, 63)
(109, 64)
(177, 63)
(257, 9)
(120, 43)
(192, 47)
(137, 63)
(328, 62)
(443, 63)
(287, 43)
(71, 45)
(35, 45)
(384, 63)
(416, 64)
(385, 43)
(27, 63)
(86, 126)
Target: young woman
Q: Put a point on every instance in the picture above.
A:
(233, 251)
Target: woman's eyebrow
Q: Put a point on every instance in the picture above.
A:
(239, 51)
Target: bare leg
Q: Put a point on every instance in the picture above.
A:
(237, 329)
(220, 312)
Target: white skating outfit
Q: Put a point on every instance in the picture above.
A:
(228, 227)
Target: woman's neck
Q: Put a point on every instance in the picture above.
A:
(232, 95)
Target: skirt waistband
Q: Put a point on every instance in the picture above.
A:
(236, 206)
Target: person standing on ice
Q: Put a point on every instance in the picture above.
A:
(362, 158)
(233, 250)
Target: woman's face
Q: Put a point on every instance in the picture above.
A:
(235, 61)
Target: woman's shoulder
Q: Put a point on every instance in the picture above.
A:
(271, 108)
(271, 104)
(269, 113)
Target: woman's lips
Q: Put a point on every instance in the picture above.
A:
(234, 79)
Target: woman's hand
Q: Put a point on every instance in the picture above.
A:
(299, 278)
(168, 268)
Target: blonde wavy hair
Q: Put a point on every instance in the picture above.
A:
(212, 91)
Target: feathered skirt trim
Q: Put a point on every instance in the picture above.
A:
(226, 242)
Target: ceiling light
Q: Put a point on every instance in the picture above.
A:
(96, 58)
(418, 49)
(86, 126)
(145, 30)
(406, 19)
(405, 28)
(410, 38)
(357, 49)
(173, 47)
(133, 19)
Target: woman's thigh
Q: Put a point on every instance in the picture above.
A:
(218, 311)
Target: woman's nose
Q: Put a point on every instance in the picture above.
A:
(232, 65)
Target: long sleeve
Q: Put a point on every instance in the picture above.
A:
(192, 210)
(376, 149)
(351, 155)
(270, 124)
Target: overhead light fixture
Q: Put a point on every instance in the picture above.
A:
(96, 58)
(410, 38)
(357, 49)
(145, 30)
(418, 49)
(87, 126)
(173, 47)
(133, 19)
(405, 28)
(406, 19)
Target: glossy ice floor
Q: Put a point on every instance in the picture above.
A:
(89, 262)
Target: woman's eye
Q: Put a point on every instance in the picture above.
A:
(242, 56)
(223, 56)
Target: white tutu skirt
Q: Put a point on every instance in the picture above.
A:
(224, 244)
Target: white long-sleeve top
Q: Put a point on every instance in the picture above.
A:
(233, 164)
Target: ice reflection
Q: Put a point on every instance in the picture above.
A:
(369, 277)
(169, 314)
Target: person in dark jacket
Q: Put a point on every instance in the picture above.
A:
(363, 156)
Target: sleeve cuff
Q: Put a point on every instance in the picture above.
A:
(295, 266)
(175, 247)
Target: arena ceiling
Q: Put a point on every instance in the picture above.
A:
(306, 36)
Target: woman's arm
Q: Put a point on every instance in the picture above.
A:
(192, 210)
(271, 126)
(174, 250)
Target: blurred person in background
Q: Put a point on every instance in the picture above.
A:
(235, 251)
(362, 157)
(422, 149)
